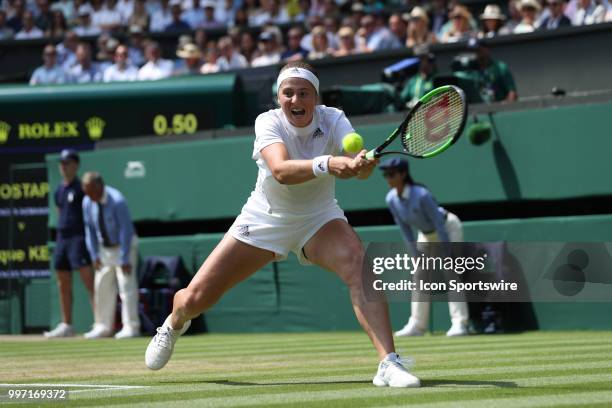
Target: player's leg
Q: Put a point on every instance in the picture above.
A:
(336, 247)
(229, 263)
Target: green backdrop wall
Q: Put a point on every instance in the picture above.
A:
(310, 299)
(551, 153)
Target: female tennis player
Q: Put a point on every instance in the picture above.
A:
(298, 149)
(413, 205)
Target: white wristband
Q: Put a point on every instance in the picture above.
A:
(320, 166)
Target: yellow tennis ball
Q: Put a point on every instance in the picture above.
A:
(352, 143)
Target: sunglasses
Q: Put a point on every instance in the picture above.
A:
(389, 174)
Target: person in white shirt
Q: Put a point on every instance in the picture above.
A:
(125, 8)
(161, 17)
(529, 12)
(270, 54)
(108, 19)
(230, 59)
(194, 16)
(84, 71)
(50, 72)
(85, 28)
(589, 12)
(298, 150)
(29, 30)
(122, 69)
(156, 67)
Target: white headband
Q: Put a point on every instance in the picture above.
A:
(298, 73)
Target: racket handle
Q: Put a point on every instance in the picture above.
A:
(371, 154)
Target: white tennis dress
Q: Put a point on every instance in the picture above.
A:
(282, 218)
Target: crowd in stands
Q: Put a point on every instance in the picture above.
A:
(317, 29)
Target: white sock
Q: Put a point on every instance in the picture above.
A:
(391, 357)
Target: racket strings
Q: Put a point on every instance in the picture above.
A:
(434, 123)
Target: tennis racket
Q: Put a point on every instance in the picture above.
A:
(432, 125)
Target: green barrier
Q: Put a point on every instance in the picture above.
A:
(80, 114)
(533, 155)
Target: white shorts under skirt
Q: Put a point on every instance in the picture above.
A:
(281, 234)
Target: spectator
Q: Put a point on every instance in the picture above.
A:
(156, 67)
(607, 19)
(253, 10)
(438, 16)
(58, 25)
(461, 29)
(126, 10)
(331, 27)
(270, 53)
(15, 21)
(304, 11)
(225, 11)
(66, 7)
(248, 47)
(194, 16)
(212, 55)
(423, 81)
(161, 18)
(347, 42)
(106, 55)
(209, 16)
(85, 28)
(515, 17)
(70, 249)
(140, 16)
(136, 45)
(555, 18)
(320, 45)
(492, 21)
(200, 39)
(6, 32)
(398, 27)
(50, 72)
(330, 9)
(374, 36)
(313, 21)
(113, 247)
(229, 58)
(294, 51)
(122, 69)
(272, 13)
(29, 30)
(44, 18)
(589, 12)
(177, 24)
(496, 80)
(66, 50)
(108, 18)
(529, 13)
(418, 31)
(192, 60)
(84, 70)
(241, 19)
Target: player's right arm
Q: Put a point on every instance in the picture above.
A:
(288, 171)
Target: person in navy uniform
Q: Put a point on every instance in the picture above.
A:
(70, 249)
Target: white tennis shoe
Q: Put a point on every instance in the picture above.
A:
(61, 330)
(161, 346)
(410, 329)
(392, 373)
